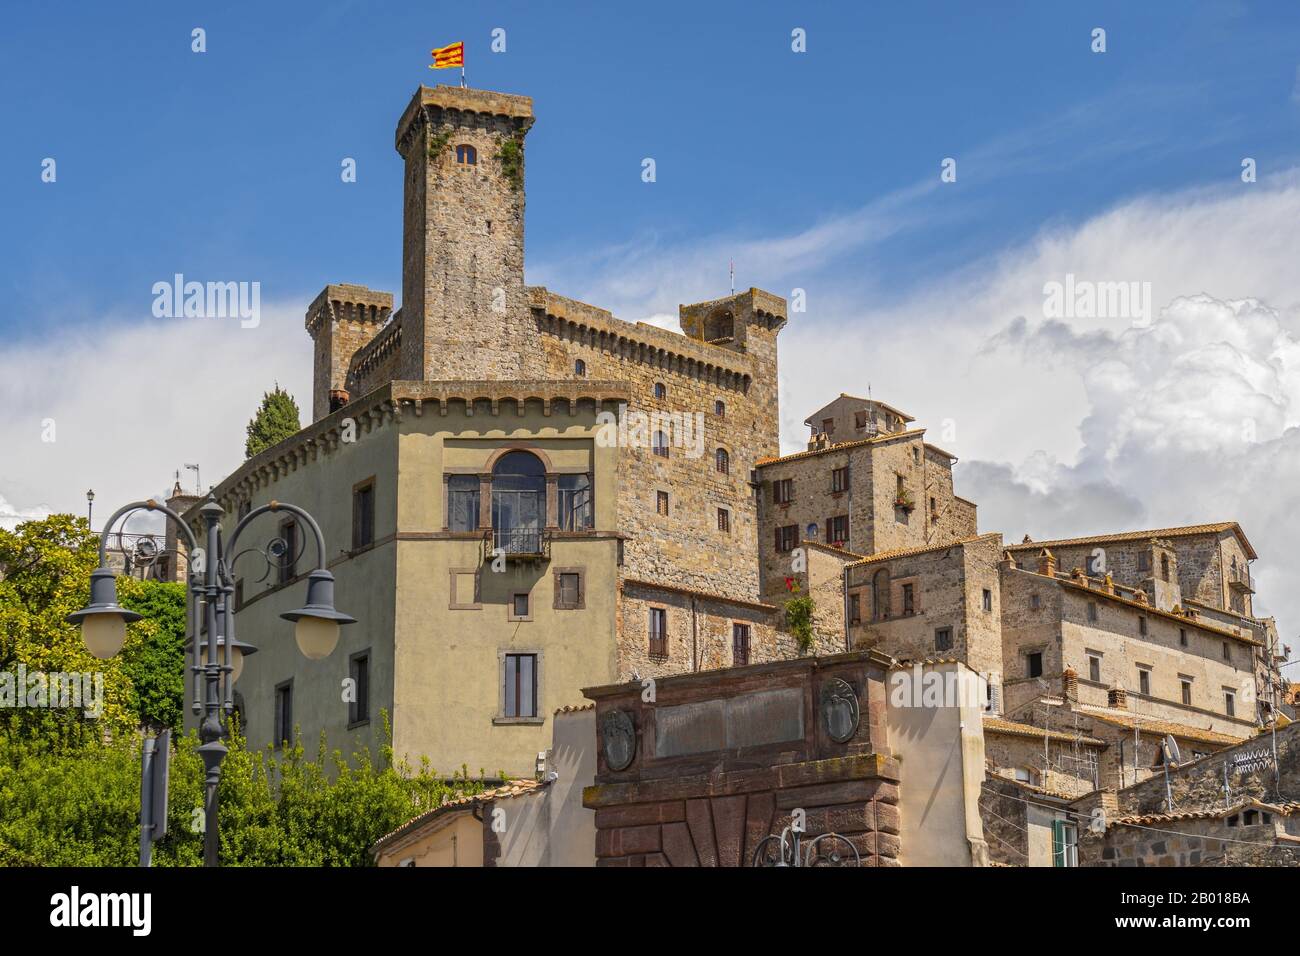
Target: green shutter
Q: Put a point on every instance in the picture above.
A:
(1058, 843)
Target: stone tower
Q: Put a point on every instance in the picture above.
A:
(464, 311)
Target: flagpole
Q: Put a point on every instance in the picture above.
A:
(462, 76)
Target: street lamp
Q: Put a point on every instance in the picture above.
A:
(90, 507)
(211, 594)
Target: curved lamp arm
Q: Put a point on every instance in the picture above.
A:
(149, 505)
(274, 506)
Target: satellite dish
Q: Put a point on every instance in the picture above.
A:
(1171, 750)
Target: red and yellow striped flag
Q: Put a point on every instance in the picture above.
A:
(448, 56)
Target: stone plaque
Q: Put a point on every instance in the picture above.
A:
(749, 720)
(618, 739)
(839, 710)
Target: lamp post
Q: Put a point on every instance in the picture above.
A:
(90, 508)
(217, 663)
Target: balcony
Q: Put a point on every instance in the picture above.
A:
(526, 544)
(1239, 579)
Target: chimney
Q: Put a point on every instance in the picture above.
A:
(1070, 684)
(1117, 698)
(1047, 563)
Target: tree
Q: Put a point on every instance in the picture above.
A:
(156, 663)
(277, 419)
(46, 575)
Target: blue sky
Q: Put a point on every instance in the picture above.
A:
(226, 164)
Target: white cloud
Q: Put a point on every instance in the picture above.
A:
(131, 401)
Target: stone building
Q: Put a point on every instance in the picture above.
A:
(523, 495)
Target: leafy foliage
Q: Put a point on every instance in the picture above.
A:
(799, 618)
(78, 806)
(155, 665)
(511, 157)
(277, 419)
(46, 576)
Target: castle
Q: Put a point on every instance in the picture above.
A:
(526, 496)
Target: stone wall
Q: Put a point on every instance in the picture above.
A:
(723, 760)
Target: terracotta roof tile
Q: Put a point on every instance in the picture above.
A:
(1118, 718)
(511, 788)
(841, 446)
(999, 725)
(908, 552)
(1151, 819)
(1180, 532)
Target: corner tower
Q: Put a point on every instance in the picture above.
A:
(464, 311)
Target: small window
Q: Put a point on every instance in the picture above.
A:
(466, 155)
(787, 537)
(289, 559)
(828, 426)
(1034, 664)
(1227, 651)
(1094, 669)
(855, 609)
(580, 368)
(661, 503)
(1230, 703)
(860, 420)
(943, 639)
(661, 391)
(1092, 611)
(1234, 820)
(722, 461)
(1034, 602)
(783, 491)
(1182, 637)
(658, 632)
(363, 515)
(916, 455)
(740, 644)
(1187, 692)
(1250, 818)
(1144, 561)
(1144, 682)
(720, 409)
(1164, 567)
(909, 599)
(839, 479)
(988, 599)
(934, 509)
(1142, 626)
(724, 520)
(283, 713)
(520, 606)
(568, 589)
(359, 671)
(659, 445)
(837, 530)
(519, 694)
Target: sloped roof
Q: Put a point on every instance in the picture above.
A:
(907, 552)
(1182, 532)
(999, 725)
(1119, 718)
(1216, 813)
(511, 788)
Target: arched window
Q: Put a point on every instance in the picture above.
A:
(722, 461)
(466, 155)
(659, 445)
(518, 503)
(719, 409)
(880, 595)
(580, 368)
(661, 390)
